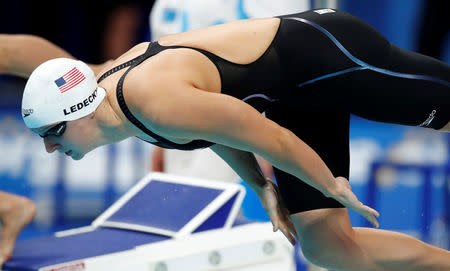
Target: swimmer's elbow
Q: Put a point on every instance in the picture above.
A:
(280, 144)
(286, 140)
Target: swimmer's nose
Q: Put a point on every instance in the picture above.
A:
(50, 146)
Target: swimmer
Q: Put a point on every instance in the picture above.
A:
(204, 88)
(15, 213)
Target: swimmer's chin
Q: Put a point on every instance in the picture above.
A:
(77, 156)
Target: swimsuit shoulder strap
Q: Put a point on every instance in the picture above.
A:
(139, 59)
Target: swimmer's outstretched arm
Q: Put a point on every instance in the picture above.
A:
(186, 112)
(247, 167)
(21, 54)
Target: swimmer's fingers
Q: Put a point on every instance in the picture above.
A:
(285, 229)
(370, 214)
(345, 196)
(367, 212)
(286, 213)
(278, 216)
(287, 216)
(3, 259)
(285, 226)
(292, 230)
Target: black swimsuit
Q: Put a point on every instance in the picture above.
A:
(237, 80)
(322, 66)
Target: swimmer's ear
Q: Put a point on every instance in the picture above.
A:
(91, 115)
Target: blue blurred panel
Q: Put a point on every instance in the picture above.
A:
(165, 205)
(399, 208)
(437, 192)
(251, 206)
(384, 134)
(410, 198)
(404, 17)
(36, 253)
(12, 178)
(373, 12)
(396, 20)
(11, 89)
(13, 144)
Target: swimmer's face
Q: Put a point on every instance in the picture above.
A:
(74, 138)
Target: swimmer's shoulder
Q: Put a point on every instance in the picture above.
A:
(136, 50)
(153, 83)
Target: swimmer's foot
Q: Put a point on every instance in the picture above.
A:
(15, 213)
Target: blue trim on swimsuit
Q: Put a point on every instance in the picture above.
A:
(331, 75)
(363, 65)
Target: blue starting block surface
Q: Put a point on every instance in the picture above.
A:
(158, 208)
(174, 206)
(168, 206)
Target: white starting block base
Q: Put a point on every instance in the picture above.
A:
(249, 247)
(164, 223)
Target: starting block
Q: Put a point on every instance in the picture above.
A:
(163, 223)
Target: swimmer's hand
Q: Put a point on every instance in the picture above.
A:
(279, 215)
(344, 195)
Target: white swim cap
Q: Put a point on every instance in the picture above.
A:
(60, 89)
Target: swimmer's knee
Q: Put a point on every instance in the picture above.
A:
(330, 253)
(326, 237)
(320, 257)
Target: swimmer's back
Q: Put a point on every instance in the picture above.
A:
(240, 42)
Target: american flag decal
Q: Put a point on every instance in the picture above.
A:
(69, 80)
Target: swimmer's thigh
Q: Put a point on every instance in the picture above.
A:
(409, 89)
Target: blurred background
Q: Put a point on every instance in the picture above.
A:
(401, 171)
